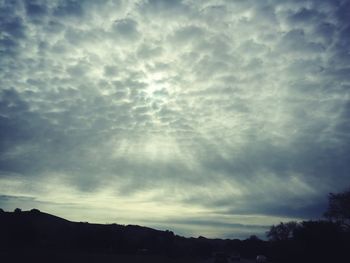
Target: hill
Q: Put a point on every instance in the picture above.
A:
(36, 235)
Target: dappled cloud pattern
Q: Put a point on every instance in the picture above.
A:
(200, 116)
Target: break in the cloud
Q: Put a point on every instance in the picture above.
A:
(208, 117)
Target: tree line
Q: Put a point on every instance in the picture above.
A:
(324, 240)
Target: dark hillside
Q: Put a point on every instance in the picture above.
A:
(37, 234)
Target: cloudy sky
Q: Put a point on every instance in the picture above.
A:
(215, 118)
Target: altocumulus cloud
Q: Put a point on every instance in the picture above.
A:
(216, 118)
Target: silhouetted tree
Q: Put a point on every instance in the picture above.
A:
(1, 210)
(314, 241)
(282, 231)
(339, 208)
(253, 246)
(254, 238)
(318, 231)
(36, 211)
(320, 241)
(18, 210)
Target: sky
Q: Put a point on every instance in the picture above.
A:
(213, 118)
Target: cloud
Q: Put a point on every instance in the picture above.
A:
(232, 108)
(126, 29)
(68, 8)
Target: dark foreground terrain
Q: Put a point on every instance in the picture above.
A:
(73, 257)
(34, 236)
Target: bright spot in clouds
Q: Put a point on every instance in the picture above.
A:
(214, 118)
